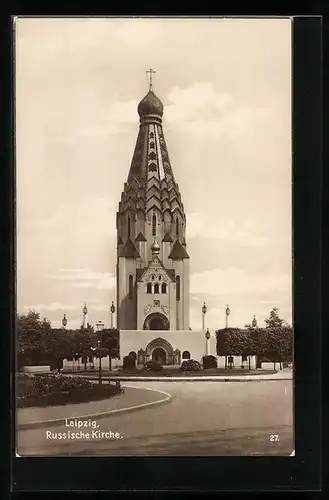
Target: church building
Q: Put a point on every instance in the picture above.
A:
(153, 282)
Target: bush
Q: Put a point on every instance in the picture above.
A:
(209, 362)
(190, 365)
(28, 384)
(129, 363)
(153, 366)
(52, 390)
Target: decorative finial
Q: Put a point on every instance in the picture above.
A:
(64, 321)
(254, 322)
(227, 310)
(112, 308)
(155, 248)
(204, 308)
(150, 72)
(85, 310)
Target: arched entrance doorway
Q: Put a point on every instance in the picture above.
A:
(156, 321)
(159, 355)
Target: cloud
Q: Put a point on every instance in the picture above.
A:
(84, 278)
(54, 306)
(94, 216)
(201, 110)
(238, 281)
(247, 232)
(199, 99)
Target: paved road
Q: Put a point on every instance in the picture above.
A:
(203, 418)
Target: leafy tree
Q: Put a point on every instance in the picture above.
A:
(110, 341)
(274, 320)
(31, 335)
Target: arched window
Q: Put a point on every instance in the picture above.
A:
(164, 288)
(152, 135)
(160, 277)
(131, 286)
(149, 288)
(154, 225)
(153, 277)
(186, 355)
(177, 287)
(132, 354)
(177, 227)
(152, 145)
(128, 227)
(156, 288)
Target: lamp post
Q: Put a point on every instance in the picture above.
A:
(99, 327)
(204, 311)
(64, 321)
(227, 313)
(112, 313)
(207, 335)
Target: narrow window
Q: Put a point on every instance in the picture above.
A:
(177, 227)
(156, 288)
(149, 288)
(153, 277)
(164, 288)
(177, 287)
(131, 286)
(154, 225)
(128, 227)
(186, 355)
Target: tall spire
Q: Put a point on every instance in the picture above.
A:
(151, 192)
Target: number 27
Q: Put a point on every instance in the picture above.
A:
(274, 438)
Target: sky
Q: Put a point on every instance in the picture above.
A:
(226, 89)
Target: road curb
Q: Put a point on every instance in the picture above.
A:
(193, 379)
(60, 421)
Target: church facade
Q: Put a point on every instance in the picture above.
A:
(152, 259)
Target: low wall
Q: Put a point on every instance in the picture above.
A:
(36, 369)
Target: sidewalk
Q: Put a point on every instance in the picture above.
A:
(132, 398)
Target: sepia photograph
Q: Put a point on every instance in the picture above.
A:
(154, 248)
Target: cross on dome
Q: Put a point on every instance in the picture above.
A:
(150, 72)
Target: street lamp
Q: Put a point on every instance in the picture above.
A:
(227, 313)
(99, 328)
(207, 335)
(64, 321)
(112, 312)
(204, 311)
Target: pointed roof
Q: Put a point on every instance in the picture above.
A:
(178, 252)
(129, 250)
(167, 238)
(155, 263)
(140, 237)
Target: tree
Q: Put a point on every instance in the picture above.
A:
(110, 341)
(31, 334)
(274, 320)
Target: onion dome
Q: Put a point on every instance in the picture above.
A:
(150, 105)
(155, 247)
